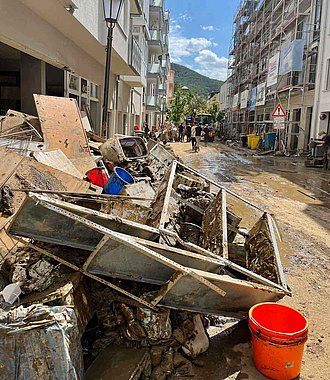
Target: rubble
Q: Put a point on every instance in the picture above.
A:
(28, 337)
(124, 283)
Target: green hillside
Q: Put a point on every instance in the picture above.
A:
(199, 84)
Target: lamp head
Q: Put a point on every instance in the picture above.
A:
(112, 10)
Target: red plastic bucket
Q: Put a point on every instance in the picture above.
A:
(98, 177)
(279, 334)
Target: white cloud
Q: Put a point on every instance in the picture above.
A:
(185, 17)
(195, 53)
(181, 46)
(211, 65)
(209, 28)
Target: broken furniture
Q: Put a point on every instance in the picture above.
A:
(123, 249)
(124, 148)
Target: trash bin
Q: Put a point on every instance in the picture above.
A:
(118, 179)
(244, 140)
(249, 138)
(270, 139)
(254, 141)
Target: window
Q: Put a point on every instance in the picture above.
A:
(317, 19)
(327, 82)
(312, 68)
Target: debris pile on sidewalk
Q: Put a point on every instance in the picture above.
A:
(116, 257)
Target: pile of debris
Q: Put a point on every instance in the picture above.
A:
(95, 284)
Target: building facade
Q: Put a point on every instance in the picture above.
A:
(158, 63)
(321, 114)
(57, 47)
(273, 59)
(224, 97)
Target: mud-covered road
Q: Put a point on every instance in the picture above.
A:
(299, 198)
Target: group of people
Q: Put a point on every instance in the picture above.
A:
(193, 134)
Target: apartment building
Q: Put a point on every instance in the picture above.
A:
(273, 59)
(57, 47)
(224, 97)
(158, 63)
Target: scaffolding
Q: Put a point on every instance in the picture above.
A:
(262, 29)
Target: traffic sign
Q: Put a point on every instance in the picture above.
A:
(279, 122)
(279, 111)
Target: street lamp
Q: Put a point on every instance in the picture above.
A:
(163, 97)
(112, 10)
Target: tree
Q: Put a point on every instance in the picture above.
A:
(184, 103)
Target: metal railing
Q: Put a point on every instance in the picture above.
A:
(154, 68)
(156, 3)
(153, 101)
(134, 55)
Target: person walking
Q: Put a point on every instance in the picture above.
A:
(193, 139)
(198, 136)
(188, 132)
(146, 129)
(181, 130)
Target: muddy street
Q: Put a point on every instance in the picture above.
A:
(299, 199)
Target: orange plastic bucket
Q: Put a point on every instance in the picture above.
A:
(279, 334)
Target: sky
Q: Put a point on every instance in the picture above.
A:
(200, 34)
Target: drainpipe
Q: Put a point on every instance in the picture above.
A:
(116, 105)
(131, 121)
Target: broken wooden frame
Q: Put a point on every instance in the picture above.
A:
(162, 155)
(187, 288)
(170, 192)
(38, 218)
(34, 220)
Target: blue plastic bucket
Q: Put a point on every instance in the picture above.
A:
(118, 179)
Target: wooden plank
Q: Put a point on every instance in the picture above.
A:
(58, 160)
(63, 129)
(279, 266)
(163, 217)
(224, 225)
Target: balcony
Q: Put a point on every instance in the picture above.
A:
(157, 3)
(134, 55)
(156, 36)
(136, 6)
(154, 69)
(153, 103)
(162, 88)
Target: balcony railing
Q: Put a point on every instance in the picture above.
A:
(162, 88)
(153, 101)
(156, 3)
(154, 68)
(156, 35)
(134, 55)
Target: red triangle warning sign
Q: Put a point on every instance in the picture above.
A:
(279, 111)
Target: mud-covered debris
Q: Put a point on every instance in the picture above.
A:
(33, 272)
(199, 341)
(157, 325)
(190, 233)
(7, 207)
(260, 251)
(165, 368)
(31, 338)
(183, 367)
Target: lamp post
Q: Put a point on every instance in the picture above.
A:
(112, 10)
(163, 97)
